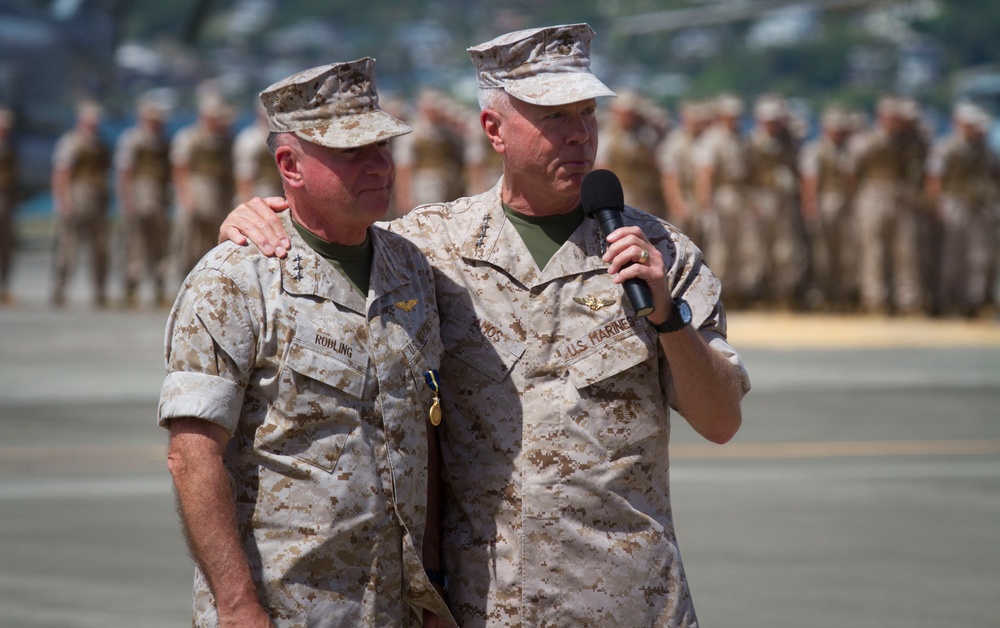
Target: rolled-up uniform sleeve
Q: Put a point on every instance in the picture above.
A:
(210, 348)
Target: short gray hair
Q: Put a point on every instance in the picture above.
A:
(493, 98)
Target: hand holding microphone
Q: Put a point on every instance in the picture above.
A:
(604, 201)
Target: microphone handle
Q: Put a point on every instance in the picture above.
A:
(639, 296)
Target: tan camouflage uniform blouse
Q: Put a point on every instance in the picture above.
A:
(324, 395)
(557, 423)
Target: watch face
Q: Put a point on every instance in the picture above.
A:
(684, 311)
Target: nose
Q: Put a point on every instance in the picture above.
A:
(378, 159)
(578, 129)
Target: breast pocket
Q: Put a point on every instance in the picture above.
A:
(321, 398)
(481, 345)
(620, 393)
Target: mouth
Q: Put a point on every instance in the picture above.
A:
(577, 166)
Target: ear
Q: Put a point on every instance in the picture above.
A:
(287, 159)
(491, 122)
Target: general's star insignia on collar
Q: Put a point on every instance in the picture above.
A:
(594, 303)
(406, 306)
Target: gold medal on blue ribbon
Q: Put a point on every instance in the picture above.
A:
(432, 377)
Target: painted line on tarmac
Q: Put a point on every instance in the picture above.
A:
(82, 453)
(768, 330)
(836, 449)
(85, 487)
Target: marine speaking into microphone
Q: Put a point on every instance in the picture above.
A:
(604, 201)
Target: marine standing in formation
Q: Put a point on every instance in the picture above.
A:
(721, 171)
(201, 157)
(628, 148)
(253, 167)
(962, 187)
(675, 160)
(81, 164)
(888, 227)
(142, 168)
(778, 259)
(827, 191)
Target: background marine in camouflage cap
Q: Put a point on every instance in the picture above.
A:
(296, 396)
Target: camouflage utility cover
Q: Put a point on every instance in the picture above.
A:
(541, 66)
(558, 403)
(332, 105)
(323, 393)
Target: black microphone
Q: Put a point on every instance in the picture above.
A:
(604, 201)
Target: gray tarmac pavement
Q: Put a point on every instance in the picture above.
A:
(863, 489)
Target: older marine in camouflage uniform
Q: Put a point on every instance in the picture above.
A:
(308, 377)
(142, 166)
(780, 252)
(561, 393)
(81, 164)
(962, 185)
(888, 227)
(201, 156)
(8, 200)
(827, 191)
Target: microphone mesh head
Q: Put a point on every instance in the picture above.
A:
(601, 190)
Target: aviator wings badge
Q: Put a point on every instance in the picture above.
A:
(594, 303)
(406, 306)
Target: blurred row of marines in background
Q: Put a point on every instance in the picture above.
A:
(875, 216)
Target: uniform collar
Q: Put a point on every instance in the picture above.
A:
(492, 239)
(306, 272)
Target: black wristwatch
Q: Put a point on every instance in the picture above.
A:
(680, 319)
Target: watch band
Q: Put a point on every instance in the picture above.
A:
(679, 319)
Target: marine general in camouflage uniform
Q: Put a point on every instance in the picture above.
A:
(296, 396)
(557, 396)
(142, 166)
(202, 171)
(81, 165)
(961, 182)
(8, 200)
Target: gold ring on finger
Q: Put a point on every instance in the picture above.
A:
(644, 257)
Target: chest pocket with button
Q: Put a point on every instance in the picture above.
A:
(321, 399)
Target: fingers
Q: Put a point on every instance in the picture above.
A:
(258, 221)
(629, 245)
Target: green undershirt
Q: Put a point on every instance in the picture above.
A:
(353, 262)
(543, 235)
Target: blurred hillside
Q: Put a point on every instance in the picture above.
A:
(53, 51)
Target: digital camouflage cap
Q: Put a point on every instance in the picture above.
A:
(542, 66)
(332, 105)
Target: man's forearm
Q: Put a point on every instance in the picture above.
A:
(208, 511)
(706, 384)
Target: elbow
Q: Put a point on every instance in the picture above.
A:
(725, 426)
